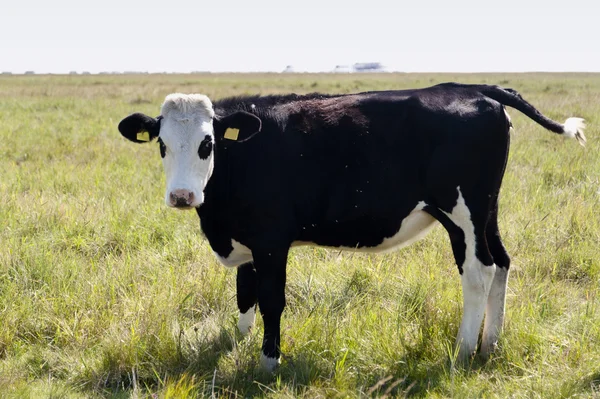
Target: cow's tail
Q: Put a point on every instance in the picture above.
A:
(573, 127)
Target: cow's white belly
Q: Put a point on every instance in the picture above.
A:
(414, 227)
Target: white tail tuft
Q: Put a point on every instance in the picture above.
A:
(574, 127)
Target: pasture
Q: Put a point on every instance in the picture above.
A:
(104, 292)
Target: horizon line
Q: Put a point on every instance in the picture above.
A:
(125, 72)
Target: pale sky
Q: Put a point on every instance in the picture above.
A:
(59, 36)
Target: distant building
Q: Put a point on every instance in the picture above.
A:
(368, 67)
(29, 73)
(73, 73)
(6, 73)
(288, 69)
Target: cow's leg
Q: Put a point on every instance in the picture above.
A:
(270, 267)
(494, 313)
(476, 280)
(246, 284)
(466, 225)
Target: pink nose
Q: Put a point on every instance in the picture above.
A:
(181, 198)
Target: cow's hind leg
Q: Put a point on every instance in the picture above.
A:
(494, 313)
(466, 223)
(477, 278)
(246, 286)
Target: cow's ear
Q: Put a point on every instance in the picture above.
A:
(140, 128)
(239, 126)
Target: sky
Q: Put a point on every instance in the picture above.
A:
(59, 36)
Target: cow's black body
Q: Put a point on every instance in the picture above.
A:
(344, 171)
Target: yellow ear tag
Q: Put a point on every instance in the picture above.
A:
(143, 136)
(231, 133)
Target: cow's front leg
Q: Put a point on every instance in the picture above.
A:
(270, 268)
(246, 285)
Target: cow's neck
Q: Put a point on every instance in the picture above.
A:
(215, 212)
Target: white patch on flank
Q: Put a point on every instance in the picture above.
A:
(476, 281)
(574, 127)
(246, 321)
(461, 216)
(269, 363)
(413, 227)
(241, 254)
(187, 120)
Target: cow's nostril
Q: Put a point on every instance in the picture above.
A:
(181, 202)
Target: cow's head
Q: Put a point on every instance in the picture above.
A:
(188, 132)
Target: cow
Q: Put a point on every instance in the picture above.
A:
(369, 172)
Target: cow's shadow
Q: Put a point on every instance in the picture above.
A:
(228, 363)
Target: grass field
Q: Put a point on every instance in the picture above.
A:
(104, 292)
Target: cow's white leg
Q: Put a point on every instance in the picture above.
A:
(494, 313)
(476, 276)
(476, 283)
(246, 321)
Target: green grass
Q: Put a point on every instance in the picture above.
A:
(106, 293)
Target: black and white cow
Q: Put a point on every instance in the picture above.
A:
(365, 172)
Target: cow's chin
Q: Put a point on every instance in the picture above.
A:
(193, 205)
(183, 208)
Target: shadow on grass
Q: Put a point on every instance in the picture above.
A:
(226, 364)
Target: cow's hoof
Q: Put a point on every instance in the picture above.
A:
(269, 364)
(488, 349)
(246, 321)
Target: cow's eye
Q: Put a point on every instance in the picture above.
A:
(205, 147)
(163, 148)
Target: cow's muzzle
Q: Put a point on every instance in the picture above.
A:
(181, 199)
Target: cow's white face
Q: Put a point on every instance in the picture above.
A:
(186, 141)
(187, 131)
